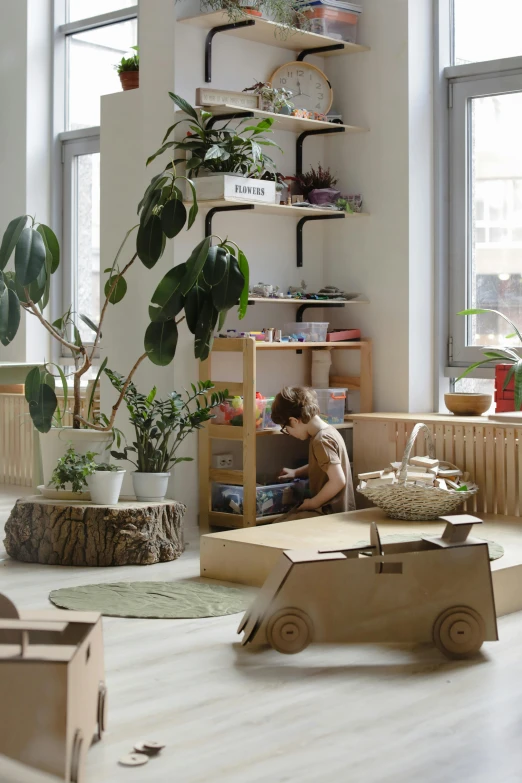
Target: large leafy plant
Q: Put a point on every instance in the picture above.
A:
(237, 150)
(505, 355)
(206, 286)
(161, 426)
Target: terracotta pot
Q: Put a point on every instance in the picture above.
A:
(130, 80)
(252, 11)
(467, 403)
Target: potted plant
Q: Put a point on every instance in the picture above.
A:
(287, 14)
(104, 483)
(161, 426)
(129, 70)
(317, 186)
(70, 473)
(216, 157)
(202, 289)
(274, 99)
(508, 367)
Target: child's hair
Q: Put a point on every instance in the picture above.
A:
(296, 402)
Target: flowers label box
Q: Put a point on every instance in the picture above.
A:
(228, 186)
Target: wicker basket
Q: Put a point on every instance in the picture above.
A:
(412, 501)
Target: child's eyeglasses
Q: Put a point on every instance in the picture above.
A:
(284, 430)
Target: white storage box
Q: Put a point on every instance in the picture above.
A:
(311, 331)
(270, 499)
(218, 186)
(331, 404)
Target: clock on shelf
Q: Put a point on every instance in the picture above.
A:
(309, 86)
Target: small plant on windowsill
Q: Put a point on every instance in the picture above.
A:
(128, 70)
(501, 356)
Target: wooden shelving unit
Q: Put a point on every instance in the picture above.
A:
(247, 434)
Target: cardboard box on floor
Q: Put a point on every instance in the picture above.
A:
(52, 684)
(434, 589)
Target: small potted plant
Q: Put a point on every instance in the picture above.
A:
(129, 70)
(317, 186)
(274, 99)
(217, 156)
(104, 483)
(161, 426)
(71, 471)
(508, 366)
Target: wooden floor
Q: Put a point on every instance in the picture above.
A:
(335, 714)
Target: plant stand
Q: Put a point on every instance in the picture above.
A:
(55, 532)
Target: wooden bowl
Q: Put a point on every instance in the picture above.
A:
(467, 403)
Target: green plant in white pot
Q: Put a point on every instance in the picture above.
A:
(104, 483)
(160, 428)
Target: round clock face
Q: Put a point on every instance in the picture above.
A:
(309, 86)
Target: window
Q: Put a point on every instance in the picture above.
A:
(91, 38)
(485, 30)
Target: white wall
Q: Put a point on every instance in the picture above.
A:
(387, 257)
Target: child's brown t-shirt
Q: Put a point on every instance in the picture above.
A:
(328, 448)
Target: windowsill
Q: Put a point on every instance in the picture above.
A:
(485, 68)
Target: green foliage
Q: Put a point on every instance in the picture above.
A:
(287, 14)
(502, 355)
(161, 426)
(73, 469)
(228, 150)
(129, 63)
(105, 467)
(312, 180)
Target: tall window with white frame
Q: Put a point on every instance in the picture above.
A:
(91, 37)
(485, 157)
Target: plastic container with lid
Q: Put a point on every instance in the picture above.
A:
(333, 20)
(268, 424)
(311, 331)
(331, 404)
(270, 499)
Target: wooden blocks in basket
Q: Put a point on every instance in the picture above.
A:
(424, 471)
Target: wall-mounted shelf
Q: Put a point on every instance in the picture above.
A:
(282, 122)
(266, 32)
(307, 302)
(278, 209)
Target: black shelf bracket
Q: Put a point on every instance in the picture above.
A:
(237, 115)
(314, 303)
(210, 214)
(300, 142)
(299, 231)
(319, 50)
(208, 43)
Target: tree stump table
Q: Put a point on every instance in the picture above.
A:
(55, 532)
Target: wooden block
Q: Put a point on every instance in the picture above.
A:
(384, 480)
(425, 462)
(449, 473)
(372, 475)
(416, 468)
(441, 484)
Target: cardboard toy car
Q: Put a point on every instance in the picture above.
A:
(52, 685)
(434, 589)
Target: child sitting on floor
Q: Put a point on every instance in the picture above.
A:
(297, 411)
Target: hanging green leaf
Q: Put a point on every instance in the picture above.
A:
(245, 271)
(90, 324)
(43, 407)
(226, 294)
(153, 201)
(10, 238)
(150, 242)
(29, 256)
(195, 264)
(118, 292)
(159, 152)
(161, 339)
(95, 384)
(168, 295)
(222, 318)
(173, 218)
(156, 182)
(38, 286)
(193, 305)
(9, 315)
(204, 336)
(215, 265)
(32, 384)
(51, 244)
(77, 336)
(182, 104)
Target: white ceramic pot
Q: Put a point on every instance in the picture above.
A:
(105, 486)
(150, 486)
(55, 443)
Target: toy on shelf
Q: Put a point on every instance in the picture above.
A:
(52, 684)
(418, 488)
(231, 411)
(430, 590)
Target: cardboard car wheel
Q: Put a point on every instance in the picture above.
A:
(76, 758)
(102, 709)
(459, 632)
(289, 631)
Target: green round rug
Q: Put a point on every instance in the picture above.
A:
(496, 551)
(161, 600)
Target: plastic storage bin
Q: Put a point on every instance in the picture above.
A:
(270, 499)
(231, 412)
(333, 21)
(331, 404)
(311, 331)
(268, 424)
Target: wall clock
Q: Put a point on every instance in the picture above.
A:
(309, 86)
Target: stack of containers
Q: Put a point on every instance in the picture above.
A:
(334, 18)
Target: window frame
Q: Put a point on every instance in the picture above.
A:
(64, 141)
